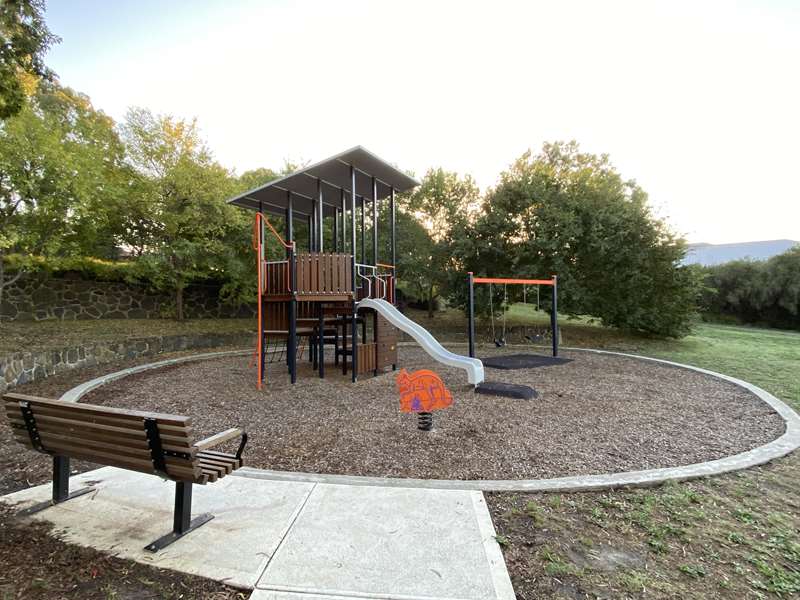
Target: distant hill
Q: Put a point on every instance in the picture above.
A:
(716, 254)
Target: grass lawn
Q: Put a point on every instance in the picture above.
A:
(42, 335)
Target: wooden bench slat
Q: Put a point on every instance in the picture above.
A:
(75, 413)
(210, 475)
(78, 426)
(12, 397)
(223, 468)
(131, 437)
(221, 455)
(134, 441)
(140, 450)
(175, 467)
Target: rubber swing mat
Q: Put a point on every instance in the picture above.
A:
(522, 361)
(506, 390)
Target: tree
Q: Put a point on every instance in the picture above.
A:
(443, 205)
(570, 213)
(61, 176)
(24, 39)
(758, 292)
(184, 194)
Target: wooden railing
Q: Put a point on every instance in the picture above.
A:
(317, 274)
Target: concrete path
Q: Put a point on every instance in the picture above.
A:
(295, 540)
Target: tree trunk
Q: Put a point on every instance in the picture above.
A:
(179, 302)
(430, 302)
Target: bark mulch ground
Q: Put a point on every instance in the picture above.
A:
(35, 564)
(594, 414)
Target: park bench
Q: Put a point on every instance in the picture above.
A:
(154, 443)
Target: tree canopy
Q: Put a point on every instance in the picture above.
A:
(567, 212)
(24, 39)
(75, 184)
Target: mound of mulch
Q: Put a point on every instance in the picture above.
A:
(595, 414)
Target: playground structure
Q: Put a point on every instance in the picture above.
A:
(341, 294)
(472, 281)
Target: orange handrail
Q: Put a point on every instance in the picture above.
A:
(258, 247)
(385, 266)
(263, 219)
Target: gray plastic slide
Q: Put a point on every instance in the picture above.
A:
(422, 336)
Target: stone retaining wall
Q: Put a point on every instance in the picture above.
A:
(23, 367)
(36, 298)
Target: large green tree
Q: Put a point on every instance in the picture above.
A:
(443, 204)
(571, 213)
(183, 195)
(24, 39)
(62, 176)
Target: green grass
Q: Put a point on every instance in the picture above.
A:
(25, 336)
(733, 536)
(769, 358)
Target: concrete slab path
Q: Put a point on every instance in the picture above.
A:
(295, 540)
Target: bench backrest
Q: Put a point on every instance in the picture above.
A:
(129, 439)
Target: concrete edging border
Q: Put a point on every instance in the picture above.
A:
(786, 443)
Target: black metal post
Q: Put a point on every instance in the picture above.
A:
(291, 342)
(394, 246)
(344, 222)
(60, 478)
(375, 226)
(183, 507)
(471, 313)
(335, 243)
(320, 217)
(354, 330)
(554, 316)
(321, 339)
(363, 231)
(182, 522)
(310, 233)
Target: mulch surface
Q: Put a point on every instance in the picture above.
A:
(596, 414)
(38, 565)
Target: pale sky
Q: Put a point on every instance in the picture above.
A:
(698, 101)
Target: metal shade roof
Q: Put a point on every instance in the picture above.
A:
(334, 173)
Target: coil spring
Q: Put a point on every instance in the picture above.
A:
(425, 421)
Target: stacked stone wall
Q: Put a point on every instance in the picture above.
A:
(23, 367)
(37, 298)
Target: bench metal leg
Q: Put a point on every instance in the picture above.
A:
(182, 522)
(61, 491)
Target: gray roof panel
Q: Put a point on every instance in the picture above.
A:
(334, 172)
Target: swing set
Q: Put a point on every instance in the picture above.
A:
(505, 282)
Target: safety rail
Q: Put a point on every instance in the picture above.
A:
(383, 282)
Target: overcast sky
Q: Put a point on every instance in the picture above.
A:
(697, 101)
